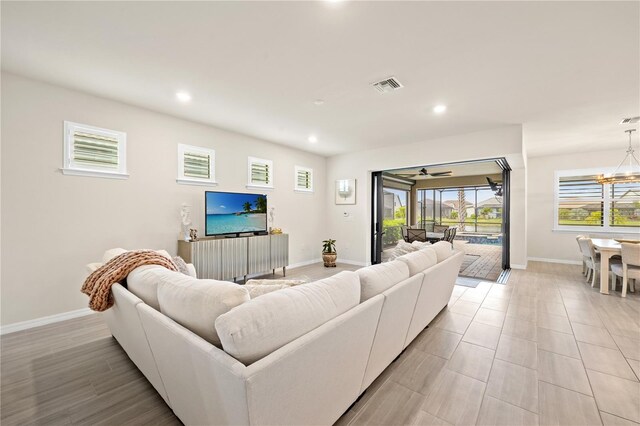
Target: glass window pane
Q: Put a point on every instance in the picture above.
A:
(587, 213)
(488, 211)
(625, 205)
(395, 214)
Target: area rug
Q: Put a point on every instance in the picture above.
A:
(468, 282)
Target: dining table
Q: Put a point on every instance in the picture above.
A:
(607, 248)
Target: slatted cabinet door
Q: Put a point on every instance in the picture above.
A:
(279, 251)
(259, 254)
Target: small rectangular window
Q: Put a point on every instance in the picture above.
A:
(92, 151)
(196, 165)
(260, 173)
(303, 179)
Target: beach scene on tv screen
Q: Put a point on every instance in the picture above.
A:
(229, 213)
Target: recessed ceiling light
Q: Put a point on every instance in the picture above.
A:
(439, 109)
(183, 96)
(313, 139)
(319, 102)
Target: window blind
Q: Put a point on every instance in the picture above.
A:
(95, 150)
(303, 179)
(580, 201)
(197, 165)
(260, 173)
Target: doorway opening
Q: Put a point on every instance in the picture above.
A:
(465, 203)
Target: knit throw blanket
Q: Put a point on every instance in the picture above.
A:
(98, 285)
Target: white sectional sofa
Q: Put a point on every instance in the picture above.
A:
(301, 355)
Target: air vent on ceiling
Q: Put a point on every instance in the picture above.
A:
(387, 85)
(630, 120)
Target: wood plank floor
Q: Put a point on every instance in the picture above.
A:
(543, 349)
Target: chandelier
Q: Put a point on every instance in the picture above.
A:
(629, 176)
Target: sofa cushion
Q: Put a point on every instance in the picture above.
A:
(195, 304)
(421, 244)
(429, 251)
(418, 261)
(443, 249)
(143, 282)
(257, 328)
(375, 279)
(403, 247)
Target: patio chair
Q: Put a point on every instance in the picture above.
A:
(416, 235)
(630, 267)
(452, 234)
(440, 228)
(447, 232)
(428, 226)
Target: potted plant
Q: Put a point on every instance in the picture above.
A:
(329, 254)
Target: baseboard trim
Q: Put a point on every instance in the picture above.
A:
(515, 266)
(311, 262)
(351, 262)
(37, 322)
(305, 263)
(563, 261)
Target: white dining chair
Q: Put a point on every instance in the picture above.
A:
(629, 269)
(584, 258)
(590, 258)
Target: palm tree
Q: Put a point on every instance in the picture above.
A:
(462, 209)
(261, 204)
(247, 207)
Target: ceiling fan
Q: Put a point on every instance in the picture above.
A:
(423, 172)
(495, 187)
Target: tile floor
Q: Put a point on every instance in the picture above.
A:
(545, 349)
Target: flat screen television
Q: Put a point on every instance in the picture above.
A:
(235, 213)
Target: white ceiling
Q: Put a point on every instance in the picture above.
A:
(568, 70)
(479, 168)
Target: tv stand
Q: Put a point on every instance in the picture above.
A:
(235, 257)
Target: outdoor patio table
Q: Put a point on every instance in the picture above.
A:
(435, 236)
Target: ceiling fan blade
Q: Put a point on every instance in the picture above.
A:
(441, 173)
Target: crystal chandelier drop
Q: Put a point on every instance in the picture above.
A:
(628, 176)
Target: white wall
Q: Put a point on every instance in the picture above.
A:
(353, 232)
(54, 224)
(544, 242)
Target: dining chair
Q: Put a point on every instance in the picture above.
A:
(584, 258)
(591, 259)
(629, 269)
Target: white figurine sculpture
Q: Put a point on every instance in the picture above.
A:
(185, 216)
(272, 214)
